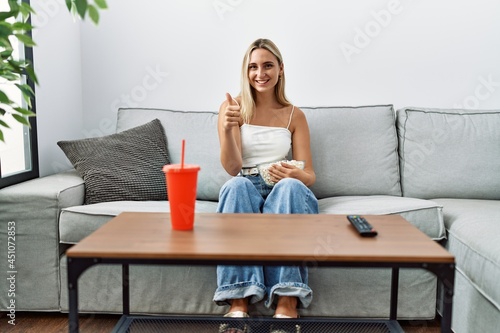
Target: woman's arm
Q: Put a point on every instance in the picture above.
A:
(229, 136)
(301, 149)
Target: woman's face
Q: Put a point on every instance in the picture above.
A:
(263, 70)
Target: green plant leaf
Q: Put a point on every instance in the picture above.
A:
(69, 5)
(5, 29)
(24, 112)
(4, 124)
(94, 14)
(26, 9)
(22, 26)
(26, 89)
(81, 7)
(5, 15)
(101, 4)
(1, 136)
(21, 119)
(8, 75)
(5, 54)
(4, 98)
(5, 42)
(26, 40)
(15, 65)
(32, 74)
(14, 6)
(27, 92)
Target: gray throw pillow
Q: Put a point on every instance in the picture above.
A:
(122, 166)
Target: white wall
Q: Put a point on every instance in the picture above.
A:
(185, 54)
(59, 93)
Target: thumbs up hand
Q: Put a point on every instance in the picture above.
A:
(232, 113)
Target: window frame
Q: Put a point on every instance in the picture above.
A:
(33, 138)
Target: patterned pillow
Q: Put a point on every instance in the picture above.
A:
(122, 166)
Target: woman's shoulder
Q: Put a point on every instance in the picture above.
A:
(297, 112)
(298, 118)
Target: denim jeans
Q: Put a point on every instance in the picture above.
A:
(250, 194)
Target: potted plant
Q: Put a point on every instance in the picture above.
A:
(15, 27)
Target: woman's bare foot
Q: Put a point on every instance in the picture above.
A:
(239, 308)
(240, 304)
(287, 306)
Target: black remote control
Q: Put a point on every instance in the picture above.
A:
(364, 228)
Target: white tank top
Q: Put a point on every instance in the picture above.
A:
(263, 144)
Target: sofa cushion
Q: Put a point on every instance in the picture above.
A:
(366, 163)
(473, 228)
(199, 129)
(80, 221)
(449, 153)
(33, 206)
(121, 166)
(354, 150)
(426, 215)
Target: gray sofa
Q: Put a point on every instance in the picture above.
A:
(439, 169)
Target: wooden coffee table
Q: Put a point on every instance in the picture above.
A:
(257, 239)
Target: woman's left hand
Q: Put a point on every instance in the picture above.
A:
(283, 170)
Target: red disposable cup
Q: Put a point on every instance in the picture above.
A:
(181, 191)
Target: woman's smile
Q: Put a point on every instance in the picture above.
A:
(262, 82)
(263, 69)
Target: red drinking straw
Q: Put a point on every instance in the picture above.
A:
(182, 153)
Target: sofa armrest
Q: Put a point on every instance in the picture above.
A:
(33, 208)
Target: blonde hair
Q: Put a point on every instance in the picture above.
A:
(247, 91)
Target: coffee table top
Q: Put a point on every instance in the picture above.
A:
(260, 237)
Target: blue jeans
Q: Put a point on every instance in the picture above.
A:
(250, 194)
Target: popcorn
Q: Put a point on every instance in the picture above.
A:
(264, 169)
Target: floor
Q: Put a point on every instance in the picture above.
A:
(36, 322)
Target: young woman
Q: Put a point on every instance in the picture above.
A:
(260, 126)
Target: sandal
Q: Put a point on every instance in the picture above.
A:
(227, 328)
(297, 328)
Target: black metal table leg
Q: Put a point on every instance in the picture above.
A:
(394, 293)
(76, 266)
(125, 289)
(73, 300)
(446, 275)
(448, 281)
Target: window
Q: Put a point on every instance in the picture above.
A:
(18, 152)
